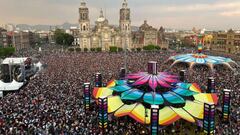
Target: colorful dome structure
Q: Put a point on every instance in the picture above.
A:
(134, 96)
(202, 59)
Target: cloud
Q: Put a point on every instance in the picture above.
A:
(168, 13)
(231, 13)
(217, 6)
(204, 7)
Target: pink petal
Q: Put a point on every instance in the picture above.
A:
(165, 74)
(171, 80)
(163, 83)
(153, 82)
(135, 75)
(142, 80)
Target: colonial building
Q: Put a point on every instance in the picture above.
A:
(147, 35)
(3, 37)
(104, 35)
(21, 39)
(228, 42)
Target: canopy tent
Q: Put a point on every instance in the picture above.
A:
(134, 96)
(38, 66)
(13, 86)
(201, 59)
(14, 61)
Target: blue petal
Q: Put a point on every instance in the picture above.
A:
(173, 98)
(184, 85)
(200, 60)
(120, 82)
(184, 92)
(121, 88)
(150, 99)
(133, 94)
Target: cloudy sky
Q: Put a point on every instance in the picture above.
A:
(179, 14)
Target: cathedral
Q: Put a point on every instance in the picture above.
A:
(104, 35)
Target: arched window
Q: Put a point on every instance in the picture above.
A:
(84, 28)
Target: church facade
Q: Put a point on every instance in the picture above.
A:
(103, 35)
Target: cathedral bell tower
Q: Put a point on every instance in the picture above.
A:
(125, 25)
(84, 26)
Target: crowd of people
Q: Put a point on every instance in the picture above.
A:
(52, 101)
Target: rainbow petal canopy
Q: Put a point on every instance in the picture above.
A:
(201, 59)
(134, 96)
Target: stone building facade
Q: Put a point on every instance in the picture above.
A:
(147, 35)
(104, 35)
(3, 37)
(228, 42)
(21, 39)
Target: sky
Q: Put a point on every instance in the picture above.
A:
(178, 14)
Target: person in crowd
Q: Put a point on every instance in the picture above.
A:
(52, 102)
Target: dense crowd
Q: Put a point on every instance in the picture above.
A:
(52, 102)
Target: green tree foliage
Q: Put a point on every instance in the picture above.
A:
(99, 49)
(151, 48)
(157, 48)
(5, 52)
(63, 38)
(78, 49)
(113, 49)
(92, 49)
(70, 49)
(139, 49)
(85, 49)
(120, 49)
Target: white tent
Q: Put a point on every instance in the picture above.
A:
(39, 64)
(14, 61)
(13, 86)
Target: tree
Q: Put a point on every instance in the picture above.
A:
(68, 39)
(5, 52)
(139, 49)
(120, 49)
(78, 49)
(113, 49)
(85, 49)
(70, 49)
(63, 38)
(151, 48)
(157, 48)
(92, 49)
(99, 49)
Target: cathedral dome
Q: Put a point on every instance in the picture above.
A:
(101, 18)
